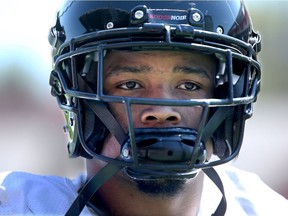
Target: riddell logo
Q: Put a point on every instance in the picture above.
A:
(167, 17)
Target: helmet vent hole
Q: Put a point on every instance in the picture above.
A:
(146, 142)
(188, 142)
(170, 153)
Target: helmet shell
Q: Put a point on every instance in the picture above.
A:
(76, 18)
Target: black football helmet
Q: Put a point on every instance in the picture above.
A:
(86, 30)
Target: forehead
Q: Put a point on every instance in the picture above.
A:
(160, 58)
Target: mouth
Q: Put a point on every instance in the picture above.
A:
(163, 153)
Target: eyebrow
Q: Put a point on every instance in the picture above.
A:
(145, 69)
(192, 70)
(128, 69)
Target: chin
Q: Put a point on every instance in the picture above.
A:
(162, 187)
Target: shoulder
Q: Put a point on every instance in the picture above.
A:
(251, 193)
(25, 193)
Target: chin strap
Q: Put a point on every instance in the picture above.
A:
(91, 187)
(213, 175)
(111, 169)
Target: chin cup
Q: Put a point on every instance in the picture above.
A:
(163, 152)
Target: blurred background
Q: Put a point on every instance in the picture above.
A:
(31, 134)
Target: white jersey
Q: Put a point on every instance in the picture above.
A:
(24, 193)
(245, 192)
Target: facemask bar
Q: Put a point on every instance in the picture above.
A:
(208, 45)
(130, 101)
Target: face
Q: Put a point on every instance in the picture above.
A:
(157, 75)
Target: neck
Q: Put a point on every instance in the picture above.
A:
(119, 198)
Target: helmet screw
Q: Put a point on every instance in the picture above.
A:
(125, 153)
(65, 128)
(196, 16)
(73, 101)
(139, 14)
(71, 120)
(219, 30)
(109, 25)
(57, 86)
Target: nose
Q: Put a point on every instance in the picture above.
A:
(160, 116)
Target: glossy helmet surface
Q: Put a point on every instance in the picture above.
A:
(85, 30)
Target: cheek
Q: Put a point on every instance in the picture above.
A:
(111, 147)
(190, 116)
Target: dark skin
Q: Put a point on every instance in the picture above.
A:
(154, 74)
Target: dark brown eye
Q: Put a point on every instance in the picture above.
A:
(190, 86)
(130, 85)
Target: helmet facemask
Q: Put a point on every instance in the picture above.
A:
(229, 108)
